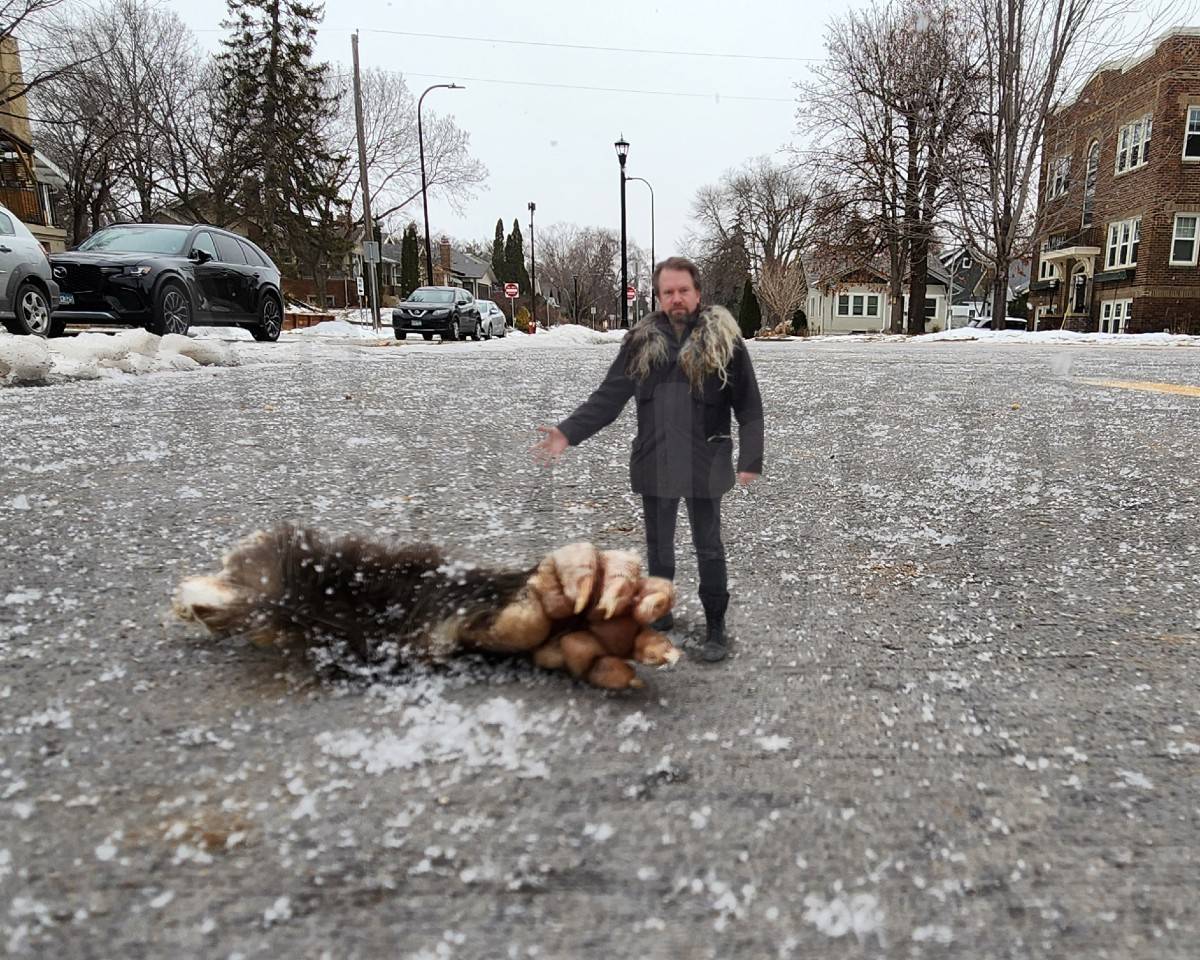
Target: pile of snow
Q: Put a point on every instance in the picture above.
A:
(1062, 336)
(92, 356)
(342, 329)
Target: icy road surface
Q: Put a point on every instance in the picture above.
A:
(962, 718)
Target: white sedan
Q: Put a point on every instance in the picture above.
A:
(493, 322)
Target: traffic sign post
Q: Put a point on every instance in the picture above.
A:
(512, 291)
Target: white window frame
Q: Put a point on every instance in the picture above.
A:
(1059, 177)
(1191, 128)
(1114, 313)
(1133, 139)
(865, 301)
(1122, 235)
(1195, 238)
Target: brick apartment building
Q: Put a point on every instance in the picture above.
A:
(1119, 199)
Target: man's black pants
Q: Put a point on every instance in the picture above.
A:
(704, 515)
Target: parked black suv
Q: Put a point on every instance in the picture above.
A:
(166, 278)
(450, 311)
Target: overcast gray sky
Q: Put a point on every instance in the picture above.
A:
(555, 146)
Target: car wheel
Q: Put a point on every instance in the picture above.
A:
(401, 334)
(475, 334)
(32, 312)
(427, 336)
(172, 311)
(270, 320)
(451, 331)
(487, 331)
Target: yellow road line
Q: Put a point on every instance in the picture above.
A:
(1180, 388)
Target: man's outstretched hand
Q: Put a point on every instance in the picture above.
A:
(547, 450)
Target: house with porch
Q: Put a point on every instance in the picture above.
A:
(1119, 198)
(850, 298)
(28, 179)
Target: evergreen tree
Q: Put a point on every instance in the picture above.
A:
(410, 261)
(275, 102)
(499, 264)
(514, 258)
(749, 313)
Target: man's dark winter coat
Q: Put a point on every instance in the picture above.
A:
(684, 444)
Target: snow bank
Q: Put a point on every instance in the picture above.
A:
(92, 356)
(1062, 336)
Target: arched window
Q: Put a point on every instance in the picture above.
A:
(1089, 182)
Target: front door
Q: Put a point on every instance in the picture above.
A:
(238, 283)
(210, 278)
(1079, 293)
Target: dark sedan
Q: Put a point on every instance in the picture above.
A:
(168, 278)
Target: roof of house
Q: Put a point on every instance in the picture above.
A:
(468, 266)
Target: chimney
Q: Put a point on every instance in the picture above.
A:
(444, 259)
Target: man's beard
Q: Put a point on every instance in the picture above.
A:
(681, 314)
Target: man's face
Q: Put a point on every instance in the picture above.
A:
(677, 294)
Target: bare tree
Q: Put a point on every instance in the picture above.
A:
(40, 46)
(393, 157)
(765, 207)
(885, 113)
(1034, 52)
(781, 290)
(112, 121)
(581, 264)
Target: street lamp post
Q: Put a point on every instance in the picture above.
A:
(532, 268)
(424, 189)
(575, 302)
(622, 152)
(653, 262)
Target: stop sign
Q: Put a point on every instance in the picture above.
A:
(630, 294)
(512, 291)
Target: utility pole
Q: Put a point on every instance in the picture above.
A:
(532, 268)
(368, 223)
(576, 301)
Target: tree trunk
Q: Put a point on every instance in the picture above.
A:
(914, 234)
(919, 283)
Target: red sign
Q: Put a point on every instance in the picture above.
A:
(630, 294)
(512, 291)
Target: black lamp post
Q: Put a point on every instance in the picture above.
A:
(653, 262)
(622, 152)
(424, 191)
(532, 267)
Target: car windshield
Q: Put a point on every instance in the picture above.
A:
(432, 296)
(137, 240)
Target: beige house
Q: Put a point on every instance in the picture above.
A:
(27, 179)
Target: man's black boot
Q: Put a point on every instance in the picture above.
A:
(664, 623)
(716, 646)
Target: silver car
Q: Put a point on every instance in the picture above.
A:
(28, 293)
(493, 322)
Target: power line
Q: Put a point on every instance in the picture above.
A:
(571, 86)
(585, 46)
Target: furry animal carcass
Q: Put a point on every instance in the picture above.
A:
(370, 606)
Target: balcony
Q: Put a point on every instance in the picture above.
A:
(26, 201)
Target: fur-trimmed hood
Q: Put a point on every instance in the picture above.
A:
(707, 350)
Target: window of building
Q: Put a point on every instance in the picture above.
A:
(1115, 315)
(1089, 183)
(1133, 144)
(1191, 136)
(1048, 269)
(930, 308)
(1060, 169)
(1123, 238)
(1183, 240)
(858, 305)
